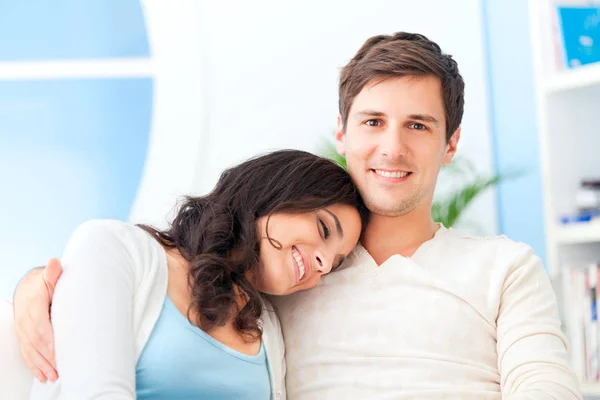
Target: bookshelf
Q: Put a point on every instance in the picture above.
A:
(582, 77)
(578, 233)
(568, 106)
(591, 389)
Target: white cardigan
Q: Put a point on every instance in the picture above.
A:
(105, 306)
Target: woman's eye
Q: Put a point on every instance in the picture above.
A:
(372, 122)
(326, 232)
(418, 127)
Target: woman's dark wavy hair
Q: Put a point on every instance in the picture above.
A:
(217, 233)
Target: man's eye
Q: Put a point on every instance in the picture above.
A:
(372, 122)
(418, 127)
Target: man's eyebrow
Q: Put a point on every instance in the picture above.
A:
(424, 118)
(417, 117)
(338, 226)
(370, 113)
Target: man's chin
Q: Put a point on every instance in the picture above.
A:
(388, 210)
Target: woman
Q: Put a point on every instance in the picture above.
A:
(150, 314)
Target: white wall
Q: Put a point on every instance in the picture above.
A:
(178, 129)
(270, 72)
(235, 78)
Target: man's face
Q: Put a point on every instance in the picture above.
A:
(395, 143)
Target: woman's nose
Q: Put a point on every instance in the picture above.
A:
(322, 263)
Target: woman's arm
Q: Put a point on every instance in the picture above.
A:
(92, 315)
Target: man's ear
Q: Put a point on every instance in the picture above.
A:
(340, 136)
(451, 147)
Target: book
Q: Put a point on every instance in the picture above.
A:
(580, 33)
(581, 295)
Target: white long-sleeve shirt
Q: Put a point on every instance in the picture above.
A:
(463, 318)
(105, 306)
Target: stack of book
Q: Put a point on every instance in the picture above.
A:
(581, 295)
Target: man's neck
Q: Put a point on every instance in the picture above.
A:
(403, 235)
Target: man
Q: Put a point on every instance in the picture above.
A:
(418, 311)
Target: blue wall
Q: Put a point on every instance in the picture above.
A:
(67, 29)
(515, 140)
(70, 149)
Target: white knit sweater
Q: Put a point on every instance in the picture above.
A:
(463, 318)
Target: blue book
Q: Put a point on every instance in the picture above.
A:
(584, 216)
(580, 28)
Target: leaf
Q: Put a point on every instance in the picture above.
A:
(449, 210)
(329, 151)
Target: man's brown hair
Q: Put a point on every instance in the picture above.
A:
(398, 55)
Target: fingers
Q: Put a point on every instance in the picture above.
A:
(51, 274)
(36, 339)
(42, 336)
(38, 366)
(45, 343)
(32, 322)
(34, 329)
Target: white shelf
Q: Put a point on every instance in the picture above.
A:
(567, 109)
(584, 232)
(584, 76)
(590, 389)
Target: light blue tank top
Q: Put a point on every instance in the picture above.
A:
(181, 361)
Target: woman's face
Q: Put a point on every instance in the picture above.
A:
(312, 244)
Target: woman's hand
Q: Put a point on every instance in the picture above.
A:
(32, 301)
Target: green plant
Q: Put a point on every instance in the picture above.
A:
(447, 208)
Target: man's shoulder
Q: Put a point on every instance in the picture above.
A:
(353, 259)
(500, 242)
(493, 251)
